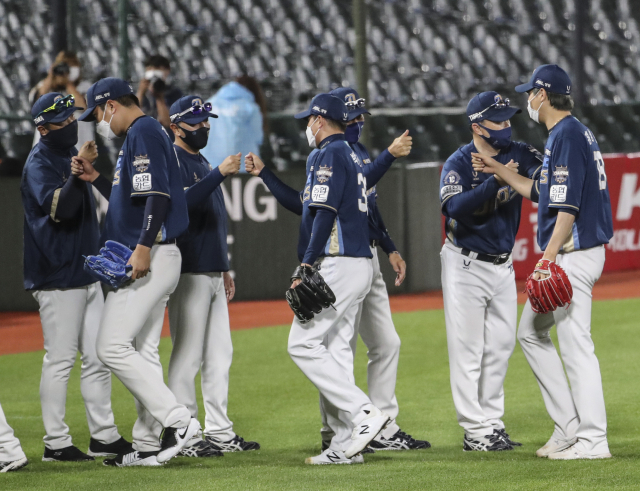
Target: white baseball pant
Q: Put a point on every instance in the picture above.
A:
(375, 325)
(201, 336)
(331, 371)
(480, 310)
(578, 410)
(70, 318)
(10, 449)
(128, 342)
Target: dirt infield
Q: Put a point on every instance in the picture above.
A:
(21, 332)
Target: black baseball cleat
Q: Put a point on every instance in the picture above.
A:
(368, 450)
(67, 454)
(399, 441)
(14, 465)
(134, 458)
(99, 449)
(175, 439)
(505, 436)
(201, 449)
(236, 444)
(488, 443)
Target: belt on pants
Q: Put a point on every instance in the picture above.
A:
(170, 241)
(374, 243)
(487, 258)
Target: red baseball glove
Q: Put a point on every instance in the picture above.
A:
(551, 292)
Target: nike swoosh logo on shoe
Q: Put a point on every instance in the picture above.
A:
(184, 434)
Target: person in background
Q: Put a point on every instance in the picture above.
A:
(242, 124)
(65, 77)
(154, 92)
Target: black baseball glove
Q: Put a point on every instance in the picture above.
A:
(311, 295)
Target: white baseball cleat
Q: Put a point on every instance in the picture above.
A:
(13, 465)
(577, 452)
(555, 445)
(175, 439)
(369, 424)
(329, 457)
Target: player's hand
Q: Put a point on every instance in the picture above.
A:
(89, 151)
(229, 286)
(401, 146)
(230, 165)
(297, 281)
(253, 164)
(83, 169)
(484, 163)
(510, 165)
(140, 262)
(399, 266)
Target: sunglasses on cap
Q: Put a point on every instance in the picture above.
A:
(355, 104)
(59, 106)
(196, 109)
(502, 103)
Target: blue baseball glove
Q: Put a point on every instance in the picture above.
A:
(110, 266)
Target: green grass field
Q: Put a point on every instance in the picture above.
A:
(272, 402)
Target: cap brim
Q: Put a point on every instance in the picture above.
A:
(195, 118)
(62, 116)
(87, 116)
(503, 114)
(357, 112)
(524, 87)
(304, 114)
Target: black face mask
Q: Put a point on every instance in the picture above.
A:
(63, 139)
(196, 139)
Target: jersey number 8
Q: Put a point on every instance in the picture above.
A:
(602, 178)
(362, 203)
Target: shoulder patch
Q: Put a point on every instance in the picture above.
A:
(141, 163)
(323, 173)
(449, 190)
(452, 177)
(560, 174)
(558, 194)
(142, 182)
(320, 193)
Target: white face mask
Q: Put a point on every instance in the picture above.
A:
(311, 136)
(534, 113)
(150, 74)
(74, 73)
(104, 129)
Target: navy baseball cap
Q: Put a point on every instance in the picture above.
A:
(551, 78)
(352, 100)
(54, 114)
(490, 105)
(106, 89)
(328, 106)
(180, 110)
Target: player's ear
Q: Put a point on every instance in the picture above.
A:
(42, 130)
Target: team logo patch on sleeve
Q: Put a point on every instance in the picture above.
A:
(320, 193)
(141, 163)
(323, 173)
(452, 177)
(142, 182)
(450, 190)
(561, 174)
(558, 194)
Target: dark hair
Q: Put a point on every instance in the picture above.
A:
(128, 100)
(561, 102)
(251, 84)
(338, 125)
(158, 61)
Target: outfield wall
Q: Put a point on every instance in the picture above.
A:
(263, 235)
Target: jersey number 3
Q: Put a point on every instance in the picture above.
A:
(602, 177)
(362, 203)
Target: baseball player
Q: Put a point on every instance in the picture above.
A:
(574, 224)
(482, 215)
(334, 231)
(374, 321)
(147, 212)
(60, 226)
(12, 458)
(198, 312)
